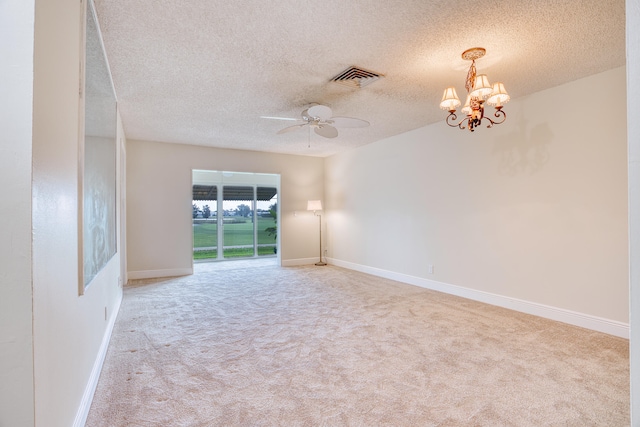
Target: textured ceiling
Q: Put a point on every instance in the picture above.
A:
(204, 72)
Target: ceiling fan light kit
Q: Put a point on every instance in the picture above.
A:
(479, 93)
(320, 119)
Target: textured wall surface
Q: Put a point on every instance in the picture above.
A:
(16, 86)
(533, 209)
(159, 198)
(69, 330)
(633, 103)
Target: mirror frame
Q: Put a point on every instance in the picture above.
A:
(97, 212)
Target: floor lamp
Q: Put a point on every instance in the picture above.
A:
(316, 206)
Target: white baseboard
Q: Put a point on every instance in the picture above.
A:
(153, 274)
(299, 261)
(92, 384)
(594, 323)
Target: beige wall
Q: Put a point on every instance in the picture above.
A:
(633, 105)
(534, 209)
(52, 340)
(70, 332)
(159, 226)
(16, 87)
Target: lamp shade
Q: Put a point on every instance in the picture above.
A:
(499, 95)
(481, 87)
(467, 106)
(450, 100)
(314, 205)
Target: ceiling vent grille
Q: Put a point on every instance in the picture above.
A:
(356, 77)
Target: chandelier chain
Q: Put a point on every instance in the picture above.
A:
(471, 77)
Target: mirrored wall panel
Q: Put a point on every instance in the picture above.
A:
(99, 162)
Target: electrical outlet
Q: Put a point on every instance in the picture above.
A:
(430, 269)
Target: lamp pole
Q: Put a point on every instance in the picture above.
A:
(316, 207)
(320, 222)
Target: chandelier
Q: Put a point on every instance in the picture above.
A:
(479, 93)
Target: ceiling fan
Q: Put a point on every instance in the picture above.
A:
(319, 118)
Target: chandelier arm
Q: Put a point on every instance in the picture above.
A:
(451, 121)
(450, 118)
(499, 113)
(491, 122)
(471, 124)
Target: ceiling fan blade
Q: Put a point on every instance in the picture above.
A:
(349, 122)
(278, 118)
(326, 131)
(321, 111)
(291, 128)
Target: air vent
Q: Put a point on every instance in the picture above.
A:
(356, 77)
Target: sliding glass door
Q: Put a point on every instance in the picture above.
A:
(234, 220)
(238, 221)
(267, 220)
(205, 222)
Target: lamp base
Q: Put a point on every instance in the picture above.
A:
(321, 263)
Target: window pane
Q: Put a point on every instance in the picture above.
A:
(267, 211)
(237, 221)
(205, 228)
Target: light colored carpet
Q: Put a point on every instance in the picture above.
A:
(325, 346)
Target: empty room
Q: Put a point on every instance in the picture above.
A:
(296, 213)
